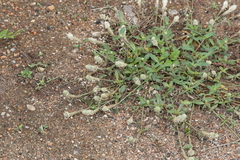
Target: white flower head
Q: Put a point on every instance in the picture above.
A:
(154, 41)
(157, 4)
(175, 19)
(180, 118)
(65, 93)
(89, 112)
(214, 73)
(143, 76)
(209, 62)
(210, 135)
(164, 5)
(104, 89)
(107, 108)
(91, 78)
(96, 89)
(225, 5)
(92, 68)
(211, 22)
(96, 34)
(137, 81)
(195, 22)
(139, 2)
(95, 41)
(230, 10)
(70, 36)
(130, 120)
(106, 24)
(120, 64)
(157, 109)
(98, 59)
(105, 95)
(205, 75)
(97, 98)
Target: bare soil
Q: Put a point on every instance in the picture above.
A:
(44, 26)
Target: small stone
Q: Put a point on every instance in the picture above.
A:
(16, 54)
(50, 143)
(13, 49)
(51, 7)
(41, 69)
(31, 107)
(173, 12)
(3, 113)
(3, 57)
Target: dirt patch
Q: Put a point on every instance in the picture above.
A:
(44, 133)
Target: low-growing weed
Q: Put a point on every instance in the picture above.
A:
(161, 71)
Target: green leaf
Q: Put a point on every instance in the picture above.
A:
(153, 57)
(186, 102)
(195, 101)
(122, 31)
(214, 107)
(3, 33)
(122, 88)
(157, 87)
(168, 62)
(174, 55)
(188, 47)
(187, 146)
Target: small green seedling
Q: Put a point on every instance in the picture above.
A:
(41, 83)
(8, 35)
(40, 53)
(37, 65)
(19, 128)
(42, 128)
(26, 73)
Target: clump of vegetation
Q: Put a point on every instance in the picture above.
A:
(8, 35)
(161, 71)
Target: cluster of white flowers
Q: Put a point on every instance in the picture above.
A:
(107, 108)
(90, 112)
(98, 60)
(137, 81)
(95, 41)
(92, 68)
(143, 76)
(230, 10)
(210, 135)
(195, 22)
(107, 26)
(180, 118)
(120, 64)
(91, 78)
(154, 41)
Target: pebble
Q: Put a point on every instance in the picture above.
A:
(51, 7)
(13, 49)
(3, 57)
(3, 113)
(30, 107)
(172, 12)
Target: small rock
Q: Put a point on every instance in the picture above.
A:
(172, 12)
(13, 49)
(3, 113)
(31, 107)
(33, 4)
(50, 143)
(51, 7)
(3, 57)
(41, 69)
